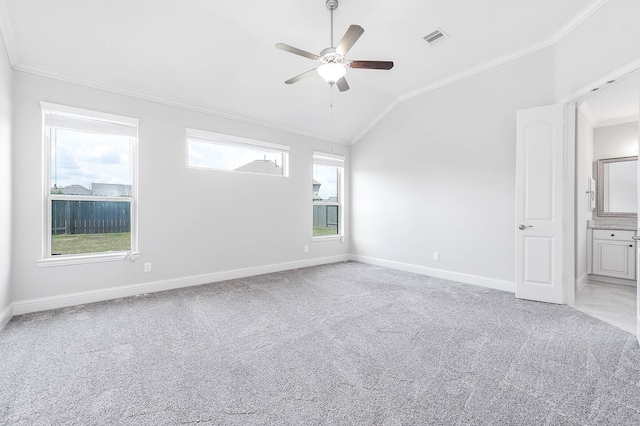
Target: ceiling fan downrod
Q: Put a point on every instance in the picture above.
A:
(332, 5)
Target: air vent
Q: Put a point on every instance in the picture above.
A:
(435, 36)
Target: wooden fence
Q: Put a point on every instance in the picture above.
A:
(90, 217)
(325, 216)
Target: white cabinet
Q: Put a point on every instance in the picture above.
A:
(613, 253)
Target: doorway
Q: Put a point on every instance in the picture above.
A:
(607, 129)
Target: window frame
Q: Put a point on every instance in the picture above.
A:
(338, 161)
(238, 142)
(71, 118)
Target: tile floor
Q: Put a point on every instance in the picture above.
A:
(613, 303)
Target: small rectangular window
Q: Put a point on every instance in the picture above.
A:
(90, 183)
(231, 153)
(327, 195)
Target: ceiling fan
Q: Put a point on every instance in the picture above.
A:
(332, 59)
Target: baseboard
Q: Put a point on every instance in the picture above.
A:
(612, 280)
(581, 281)
(46, 303)
(439, 273)
(6, 315)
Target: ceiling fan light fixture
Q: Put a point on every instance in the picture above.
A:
(332, 72)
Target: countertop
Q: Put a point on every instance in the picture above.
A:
(621, 225)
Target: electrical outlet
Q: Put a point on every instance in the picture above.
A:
(306, 249)
(436, 256)
(147, 267)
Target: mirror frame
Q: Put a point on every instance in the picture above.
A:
(600, 202)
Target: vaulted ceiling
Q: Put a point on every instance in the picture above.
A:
(220, 56)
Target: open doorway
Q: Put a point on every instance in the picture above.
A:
(607, 140)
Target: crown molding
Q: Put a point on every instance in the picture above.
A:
(588, 114)
(456, 77)
(548, 42)
(574, 22)
(6, 32)
(616, 121)
(147, 96)
(616, 75)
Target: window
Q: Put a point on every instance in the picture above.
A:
(327, 195)
(209, 150)
(90, 184)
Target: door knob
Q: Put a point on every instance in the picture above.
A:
(635, 238)
(523, 227)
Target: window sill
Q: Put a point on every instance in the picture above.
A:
(89, 258)
(329, 238)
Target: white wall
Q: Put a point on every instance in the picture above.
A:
(604, 43)
(584, 170)
(438, 173)
(6, 179)
(620, 140)
(192, 222)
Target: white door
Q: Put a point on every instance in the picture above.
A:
(539, 201)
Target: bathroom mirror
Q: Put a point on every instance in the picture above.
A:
(618, 187)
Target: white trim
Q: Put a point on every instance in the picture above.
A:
(588, 115)
(222, 139)
(574, 22)
(568, 209)
(582, 281)
(324, 159)
(6, 315)
(616, 75)
(164, 100)
(71, 299)
(455, 77)
(542, 44)
(584, 14)
(616, 121)
(83, 113)
(611, 280)
(508, 286)
(67, 260)
(7, 35)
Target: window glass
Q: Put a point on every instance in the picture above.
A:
(221, 152)
(90, 190)
(84, 163)
(326, 196)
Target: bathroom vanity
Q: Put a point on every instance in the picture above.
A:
(611, 236)
(612, 251)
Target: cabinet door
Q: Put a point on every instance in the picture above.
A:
(614, 259)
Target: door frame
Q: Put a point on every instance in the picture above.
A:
(569, 196)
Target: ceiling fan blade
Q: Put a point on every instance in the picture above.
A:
(372, 65)
(301, 76)
(296, 51)
(342, 84)
(349, 39)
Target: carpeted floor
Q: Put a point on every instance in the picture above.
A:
(346, 343)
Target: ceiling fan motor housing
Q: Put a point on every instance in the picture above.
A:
(329, 55)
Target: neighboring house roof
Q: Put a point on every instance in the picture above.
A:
(266, 167)
(71, 190)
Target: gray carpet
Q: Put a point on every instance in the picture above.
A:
(346, 343)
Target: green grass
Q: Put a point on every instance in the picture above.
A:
(321, 231)
(90, 243)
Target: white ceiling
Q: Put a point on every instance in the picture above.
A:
(220, 56)
(615, 103)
